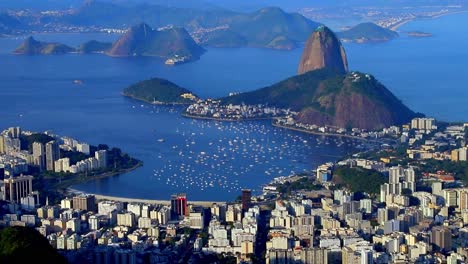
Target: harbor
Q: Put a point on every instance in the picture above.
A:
(210, 158)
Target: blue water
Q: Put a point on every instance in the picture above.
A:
(206, 159)
(213, 160)
(428, 74)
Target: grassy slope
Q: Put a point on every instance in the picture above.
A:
(94, 46)
(359, 179)
(318, 90)
(296, 92)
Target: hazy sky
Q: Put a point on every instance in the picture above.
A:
(240, 5)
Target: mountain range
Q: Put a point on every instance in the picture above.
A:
(269, 27)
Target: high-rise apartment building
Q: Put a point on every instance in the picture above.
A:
(2, 144)
(39, 155)
(463, 197)
(85, 202)
(101, 156)
(14, 132)
(246, 197)
(179, 205)
(2, 172)
(441, 237)
(422, 123)
(52, 154)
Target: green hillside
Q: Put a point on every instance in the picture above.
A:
(157, 90)
(273, 28)
(224, 39)
(323, 97)
(94, 46)
(359, 179)
(367, 32)
(23, 244)
(296, 92)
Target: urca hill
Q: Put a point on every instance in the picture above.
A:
(325, 93)
(159, 91)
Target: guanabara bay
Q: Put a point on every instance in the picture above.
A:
(221, 131)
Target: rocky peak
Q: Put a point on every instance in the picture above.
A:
(323, 50)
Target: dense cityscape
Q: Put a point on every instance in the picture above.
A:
(415, 215)
(249, 152)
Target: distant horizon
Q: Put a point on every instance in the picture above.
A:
(237, 5)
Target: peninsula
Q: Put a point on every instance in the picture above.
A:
(58, 162)
(173, 44)
(323, 94)
(419, 34)
(159, 91)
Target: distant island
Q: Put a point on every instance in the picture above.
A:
(419, 34)
(367, 32)
(159, 91)
(167, 43)
(174, 37)
(173, 44)
(31, 46)
(323, 94)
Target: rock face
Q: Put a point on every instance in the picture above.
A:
(359, 102)
(142, 40)
(323, 50)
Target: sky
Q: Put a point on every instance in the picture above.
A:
(239, 5)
